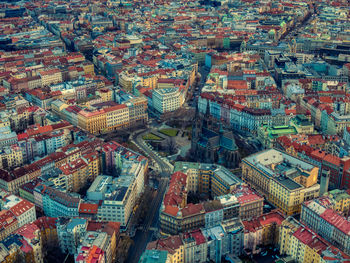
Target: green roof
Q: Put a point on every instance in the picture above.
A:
(338, 194)
(277, 131)
(301, 120)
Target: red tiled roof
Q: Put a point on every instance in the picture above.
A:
(28, 231)
(21, 207)
(170, 244)
(86, 208)
(192, 209)
(197, 235)
(245, 194)
(46, 222)
(336, 220)
(310, 239)
(177, 186)
(171, 210)
(7, 219)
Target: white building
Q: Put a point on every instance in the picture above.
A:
(119, 195)
(23, 210)
(214, 213)
(195, 247)
(166, 100)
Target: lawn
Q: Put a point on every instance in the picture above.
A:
(169, 132)
(151, 137)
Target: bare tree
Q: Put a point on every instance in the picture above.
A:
(171, 145)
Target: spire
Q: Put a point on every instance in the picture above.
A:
(207, 111)
(221, 131)
(206, 117)
(196, 113)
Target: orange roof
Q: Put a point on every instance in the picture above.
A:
(237, 84)
(86, 208)
(171, 210)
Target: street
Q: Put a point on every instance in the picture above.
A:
(136, 138)
(149, 227)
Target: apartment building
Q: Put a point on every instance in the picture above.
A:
(284, 180)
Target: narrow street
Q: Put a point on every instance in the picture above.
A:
(149, 227)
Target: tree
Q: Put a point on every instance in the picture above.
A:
(171, 145)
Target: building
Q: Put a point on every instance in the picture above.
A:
(25, 245)
(23, 210)
(15, 213)
(167, 99)
(304, 245)
(118, 196)
(302, 124)
(250, 203)
(321, 218)
(177, 215)
(76, 175)
(223, 181)
(50, 76)
(173, 245)
(56, 203)
(11, 157)
(92, 120)
(210, 143)
(341, 200)
(195, 247)
(230, 206)
(48, 230)
(285, 180)
(218, 243)
(262, 231)
(234, 229)
(112, 229)
(214, 213)
(96, 245)
(69, 232)
(268, 135)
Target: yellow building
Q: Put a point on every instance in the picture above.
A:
(93, 121)
(288, 195)
(50, 76)
(300, 243)
(77, 173)
(341, 200)
(288, 227)
(10, 157)
(149, 81)
(223, 182)
(302, 125)
(204, 181)
(173, 245)
(285, 180)
(11, 181)
(4, 123)
(88, 68)
(138, 110)
(117, 117)
(106, 94)
(47, 226)
(94, 165)
(126, 81)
